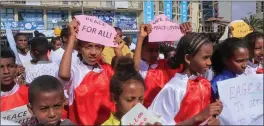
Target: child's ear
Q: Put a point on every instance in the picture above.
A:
(30, 109)
(187, 58)
(113, 98)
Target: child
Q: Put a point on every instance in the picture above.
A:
(41, 65)
(14, 97)
(46, 102)
(56, 43)
(155, 72)
(87, 81)
(229, 61)
(22, 49)
(255, 47)
(127, 89)
(186, 97)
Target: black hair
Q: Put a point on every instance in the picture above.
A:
(44, 83)
(128, 40)
(7, 52)
(38, 34)
(168, 49)
(40, 44)
(64, 33)
(188, 44)
(118, 29)
(225, 51)
(251, 40)
(18, 35)
(53, 40)
(124, 72)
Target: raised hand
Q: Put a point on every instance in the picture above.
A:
(186, 27)
(145, 29)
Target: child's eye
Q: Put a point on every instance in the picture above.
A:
(129, 100)
(43, 108)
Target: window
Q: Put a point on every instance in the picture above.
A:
(161, 4)
(262, 7)
(30, 15)
(7, 14)
(57, 18)
(80, 13)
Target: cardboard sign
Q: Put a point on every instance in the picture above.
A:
(17, 115)
(242, 99)
(138, 115)
(163, 29)
(240, 29)
(94, 30)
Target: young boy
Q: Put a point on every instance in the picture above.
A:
(14, 97)
(42, 64)
(46, 102)
(155, 72)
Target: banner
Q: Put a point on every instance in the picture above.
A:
(104, 15)
(184, 11)
(148, 11)
(163, 30)
(242, 99)
(14, 25)
(92, 29)
(126, 20)
(168, 8)
(240, 29)
(17, 115)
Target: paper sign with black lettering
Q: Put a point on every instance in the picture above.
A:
(163, 29)
(138, 115)
(94, 30)
(17, 115)
(242, 99)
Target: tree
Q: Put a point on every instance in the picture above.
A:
(255, 23)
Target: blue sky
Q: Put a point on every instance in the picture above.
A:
(240, 9)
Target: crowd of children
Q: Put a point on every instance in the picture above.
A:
(75, 85)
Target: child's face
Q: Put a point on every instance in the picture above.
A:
(201, 62)
(150, 52)
(48, 107)
(56, 45)
(171, 54)
(258, 50)
(132, 93)
(7, 71)
(238, 62)
(91, 52)
(22, 42)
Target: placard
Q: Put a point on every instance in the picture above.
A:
(163, 29)
(92, 29)
(240, 29)
(17, 115)
(242, 99)
(138, 115)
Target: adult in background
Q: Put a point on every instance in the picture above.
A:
(22, 49)
(108, 52)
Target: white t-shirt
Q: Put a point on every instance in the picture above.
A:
(56, 55)
(39, 69)
(25, 59)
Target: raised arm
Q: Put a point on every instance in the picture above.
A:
(65, 64)
(145, 29)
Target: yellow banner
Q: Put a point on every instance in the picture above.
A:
(240, 29)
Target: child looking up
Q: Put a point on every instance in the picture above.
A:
(46, 102)
(87, 81)
(186, 97)
(256, 51)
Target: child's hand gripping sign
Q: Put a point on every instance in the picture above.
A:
(163, 29)
(92, 29)
(139, 116)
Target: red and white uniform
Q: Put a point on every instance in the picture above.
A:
(14, 104)
(156, 76)
(89, 95)
(182, 98)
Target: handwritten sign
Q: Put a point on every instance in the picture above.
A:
(240, 29)
(138, 115)
(163, 29)
(94, 30)
(17, 115)
(242, 99)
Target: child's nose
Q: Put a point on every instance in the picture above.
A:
(51, 113)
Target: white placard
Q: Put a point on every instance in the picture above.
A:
(242, 99)
(17, 115)
(138, 115)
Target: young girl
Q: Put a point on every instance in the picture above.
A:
(87, 82)
(56, 43)
(186, 97)
(255, 47)
(230, 60)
